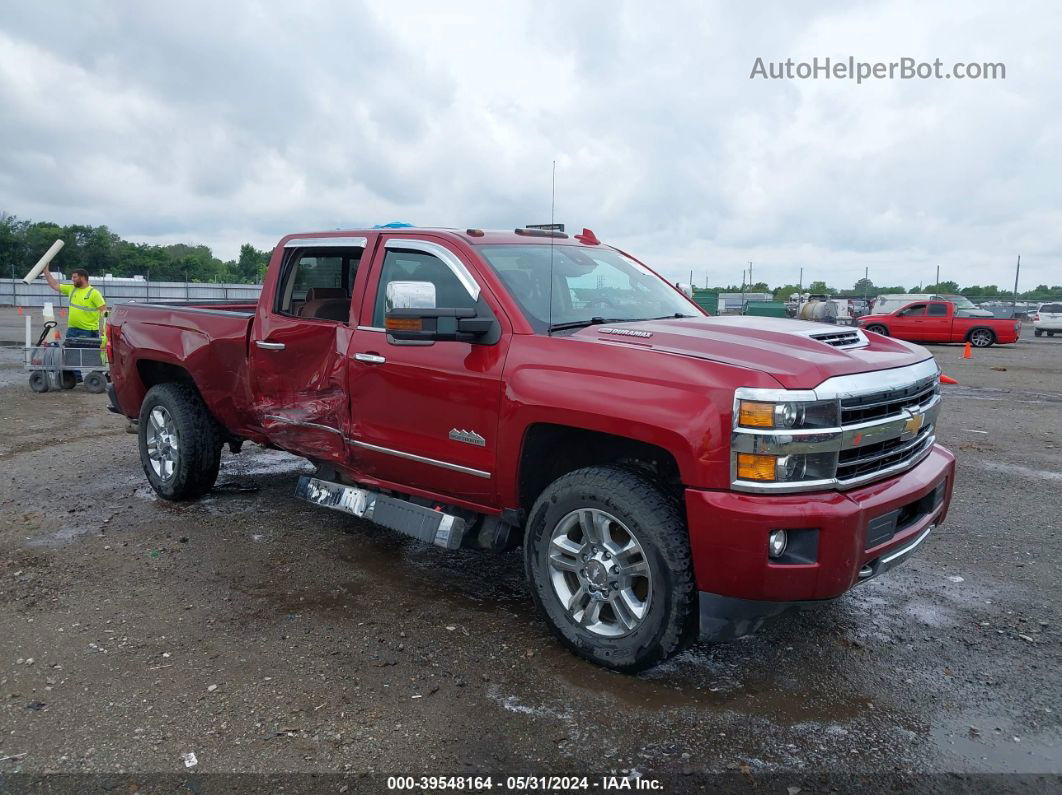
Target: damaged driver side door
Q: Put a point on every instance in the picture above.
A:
(298, 346)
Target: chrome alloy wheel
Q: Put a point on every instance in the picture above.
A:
(981, 338)
(599, 572)
(163, 445)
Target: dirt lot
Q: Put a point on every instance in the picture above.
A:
(265, 635)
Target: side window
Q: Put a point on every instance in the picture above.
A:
(318, 283)
(918, 310)
(417, 266)
(938, 310)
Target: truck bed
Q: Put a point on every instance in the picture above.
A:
(196, 337)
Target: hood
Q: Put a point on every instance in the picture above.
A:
(798, 354)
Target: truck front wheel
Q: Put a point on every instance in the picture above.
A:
(608, 558)
(180, 448)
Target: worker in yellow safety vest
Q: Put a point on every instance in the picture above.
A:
(86, 304)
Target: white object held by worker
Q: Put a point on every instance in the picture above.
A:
(49, 311)
(43, 262)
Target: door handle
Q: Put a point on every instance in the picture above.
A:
(371, 358)
(270, 346)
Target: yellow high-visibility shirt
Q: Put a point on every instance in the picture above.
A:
(85, 303)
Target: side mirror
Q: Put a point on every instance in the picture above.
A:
(409, 295)
(411, 316)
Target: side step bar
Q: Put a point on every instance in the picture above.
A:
(434, 527)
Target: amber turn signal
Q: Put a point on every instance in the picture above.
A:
(404, 324)
(756, 467)
(756, 415)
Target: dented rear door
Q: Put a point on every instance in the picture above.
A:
(299, 342)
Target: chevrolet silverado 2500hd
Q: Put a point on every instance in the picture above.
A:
(668, 474)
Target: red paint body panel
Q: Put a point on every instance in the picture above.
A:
(949, 327)
(729, 531)
(673, 389)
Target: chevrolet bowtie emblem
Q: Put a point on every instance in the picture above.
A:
(912, 426)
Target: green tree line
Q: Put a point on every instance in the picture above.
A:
(99, 250)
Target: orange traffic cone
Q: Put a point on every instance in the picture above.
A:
(62, 311)
(57, 335)
(968, 351)
(947, 379)
(20, 310)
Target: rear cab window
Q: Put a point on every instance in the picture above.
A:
(938, 310)
(317, 283)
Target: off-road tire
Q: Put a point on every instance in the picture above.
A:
(877, 328)
(199, 442)
(68, 380)
(657, 521)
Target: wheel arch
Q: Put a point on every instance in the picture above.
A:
(550, 451)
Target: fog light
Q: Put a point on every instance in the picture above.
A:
(776, 543)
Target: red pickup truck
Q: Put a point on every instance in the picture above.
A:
(668, 474)
(937, 321)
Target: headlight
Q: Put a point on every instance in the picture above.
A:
(792, 468)
(792, 415)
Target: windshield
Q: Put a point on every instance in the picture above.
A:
(589, 285)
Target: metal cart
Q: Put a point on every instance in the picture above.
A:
(54, 366)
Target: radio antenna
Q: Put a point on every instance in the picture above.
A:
(552, 210)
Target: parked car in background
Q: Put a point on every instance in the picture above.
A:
(964, 307)
(937, 321)
(1047, 319)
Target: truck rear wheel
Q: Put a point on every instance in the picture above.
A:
(180, 448)
(608, 558)
(981, 337)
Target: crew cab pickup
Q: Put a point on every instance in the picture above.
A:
(937, 321)
(667, 474)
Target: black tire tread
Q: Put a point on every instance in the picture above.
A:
(636, 488)
(200, 451)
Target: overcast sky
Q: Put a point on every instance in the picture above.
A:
(230, 122)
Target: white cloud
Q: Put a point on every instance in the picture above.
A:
(234, 122)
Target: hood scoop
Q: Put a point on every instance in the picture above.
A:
(846, 338)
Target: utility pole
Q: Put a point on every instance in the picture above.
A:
(1016, 272)
(938, 277)
(866, 282)
(800, 282)
(691, 278)
(750, 273)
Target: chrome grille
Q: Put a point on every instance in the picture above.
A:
(888, 403)
(869, 459)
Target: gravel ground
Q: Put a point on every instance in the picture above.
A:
(267, 636)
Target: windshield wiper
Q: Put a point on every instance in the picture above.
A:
(594, 321)
(579, 323)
